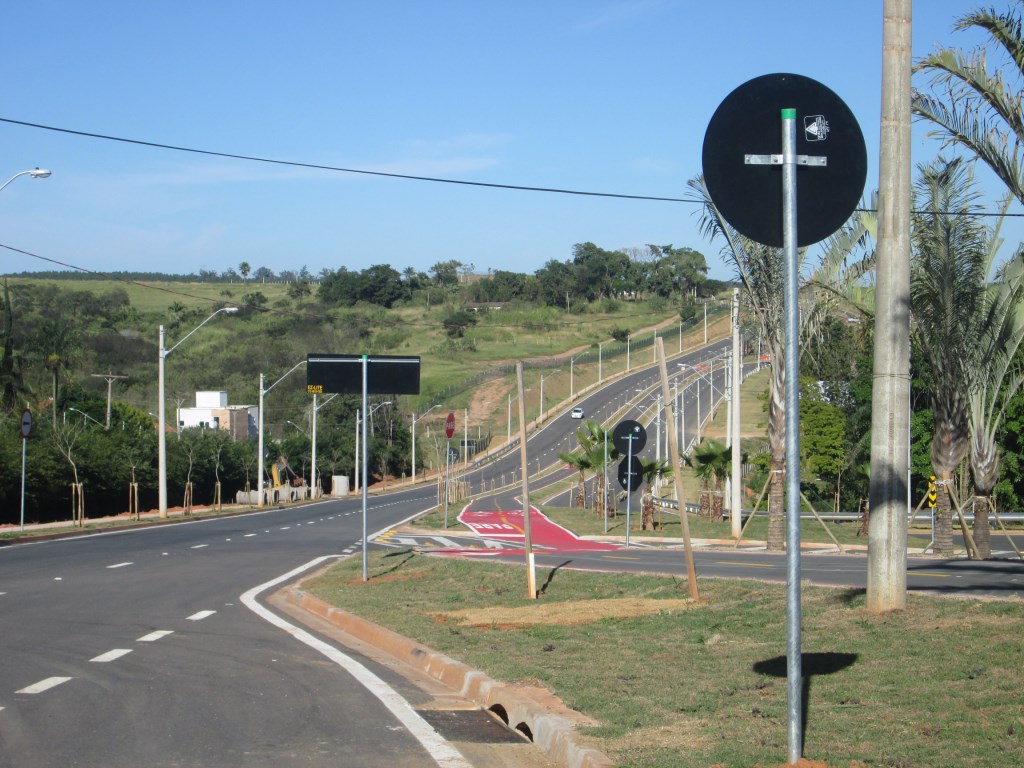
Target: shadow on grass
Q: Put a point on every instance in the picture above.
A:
(849, 596)
(551, 577)
(811, 664)
(405, 554)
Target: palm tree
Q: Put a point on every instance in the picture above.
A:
(712, 463)
(580, 461)
(597, 441)
(650, 469)
(59, 344)
(1002, 334)
(947, 287)
(973, 108)
(244, 269)
(759, 268)
(593, 440)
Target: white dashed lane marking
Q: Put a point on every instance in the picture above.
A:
(117, 653)
(44, 685)
(200, 615)
(249, 534)
(199, 546)
(152, 637)
(119, 565)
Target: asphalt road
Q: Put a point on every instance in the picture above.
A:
(137, 648)
(152, 647)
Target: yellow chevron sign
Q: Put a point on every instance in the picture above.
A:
(933, 491)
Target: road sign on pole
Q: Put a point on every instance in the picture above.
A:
(629, 437)
(767, 134)
(449, 426)
(26, 423)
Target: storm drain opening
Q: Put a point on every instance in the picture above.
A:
(524, 729)
(474, 725)
(499, 711)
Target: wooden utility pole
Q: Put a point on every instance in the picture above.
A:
(677, 475)
(890, 396)
(531, 577)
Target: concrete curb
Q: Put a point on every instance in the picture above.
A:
(535, 712)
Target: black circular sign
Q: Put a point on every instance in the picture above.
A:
(629, 433)
(630, 473)
(749, 122)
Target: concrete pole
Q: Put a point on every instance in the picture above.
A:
(890, 396)
(161, 436)
(259, 448)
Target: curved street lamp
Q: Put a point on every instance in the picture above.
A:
(86, 415)
(162, 408)
(416, 418)
(35, 173)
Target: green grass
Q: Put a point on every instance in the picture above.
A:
(939, 684)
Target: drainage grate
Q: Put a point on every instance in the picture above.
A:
(473, 725)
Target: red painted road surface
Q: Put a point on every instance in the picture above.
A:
(505, 525)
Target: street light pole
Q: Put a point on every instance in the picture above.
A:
(162, 405)
(35, 173)
(263, 392)
(414, 420)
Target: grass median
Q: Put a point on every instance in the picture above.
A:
(673, 683)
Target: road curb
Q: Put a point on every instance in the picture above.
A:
(535, 712)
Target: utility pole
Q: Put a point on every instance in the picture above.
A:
(890, 395)
(110, 378)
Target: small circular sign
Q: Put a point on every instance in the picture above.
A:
(630, 473)
(26, 423)
(629, 437)
(749, 123)
(449, 426)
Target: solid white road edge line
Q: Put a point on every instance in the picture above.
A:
(444, 754)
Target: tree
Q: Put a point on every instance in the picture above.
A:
(600, 448)
(711, 461)
(446, 273)
(650, 470)
(947, 286)
(457, 321)
(60, 345)
(244, 269)
(822, 440)
(580, 461)
(977, 109)
(759, 268)
(995, 384)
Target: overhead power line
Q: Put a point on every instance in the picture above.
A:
(295, 164)
(410, 177)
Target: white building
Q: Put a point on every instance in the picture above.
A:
(213, 412)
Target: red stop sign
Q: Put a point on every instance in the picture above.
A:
(449, 426)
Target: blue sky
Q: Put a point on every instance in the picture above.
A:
(586, 95)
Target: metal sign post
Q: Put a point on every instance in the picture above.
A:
(363, 375)
(794, 665)
(449, 430)
(630, 438)
(749, 197)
